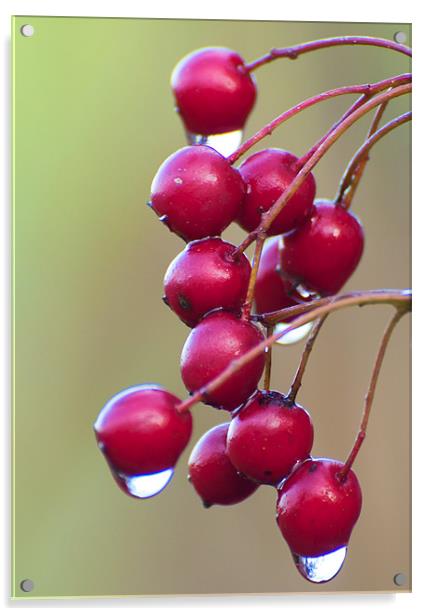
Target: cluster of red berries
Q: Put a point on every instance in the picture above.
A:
(316, 245)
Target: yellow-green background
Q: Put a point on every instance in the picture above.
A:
(93, 119)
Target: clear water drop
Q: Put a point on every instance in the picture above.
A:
(294, 335)
(224, 143)
(320, 569)
(144, 486)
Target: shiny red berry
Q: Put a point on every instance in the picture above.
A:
(196, 192)
(212, 474)
(218, 339)
(267, 174)
(207, 274)
(324, 252)
(272, 290)
(316, 510)
(268, 436)
(214, 93)
(140, 432)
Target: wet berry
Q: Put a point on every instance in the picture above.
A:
(140, 432)
(316, 511)
(268, 436)
(212, 474)
(196, 193)
(324, 252)
(219, 338)
(213, 92)
(206, 275)
(267, 174)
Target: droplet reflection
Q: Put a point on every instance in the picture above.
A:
(294, 335)
(144, 486)
(224, 143)
(320, 569)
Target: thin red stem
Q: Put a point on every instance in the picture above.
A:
(371, 393)
(295, 51)
(402, 298)
(356, 165)
(366, 89)
(297, 381)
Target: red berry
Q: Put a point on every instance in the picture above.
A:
(268, 436)
(272, 290)
(316, 511)
(212, 474)
(218, 339)
(140, 432)
(324, 252)
(214, 93)
(196, 192)
(206, 275)
(267, 174)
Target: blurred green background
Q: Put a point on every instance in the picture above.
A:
(93, 120)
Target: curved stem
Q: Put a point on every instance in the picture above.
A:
(371, 393)
(295, 51)
(297, 381)
(268, 363)
(268, 217)
(402, 298)
(357, 163)
(366, 89)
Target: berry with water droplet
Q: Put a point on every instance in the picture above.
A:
(267, 175)
(140, 431)
(316, 509)
(213, 91)
(198, 191)
(212, 474)
(324, 252)
(268, 435)
(207, 274)
(218, 339)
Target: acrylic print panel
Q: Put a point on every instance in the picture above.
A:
(94, 118)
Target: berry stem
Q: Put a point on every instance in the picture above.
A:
(295, 51)
(268, 217)
(287, 314)
(355, 168)
(297, 381)
(246, 308)
(398, 298)
(371, 393)
(366, 89)
(268, 364)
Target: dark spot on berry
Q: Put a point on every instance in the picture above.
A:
(165, 300)
(189, 478)
(183, 302)
(149, 204)
(206, 505)
(267, 473)
(313, 467)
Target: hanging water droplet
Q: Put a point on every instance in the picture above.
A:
(144, 486)
(294, 335)
(306, 293)
(224, 143)
(320, 569)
